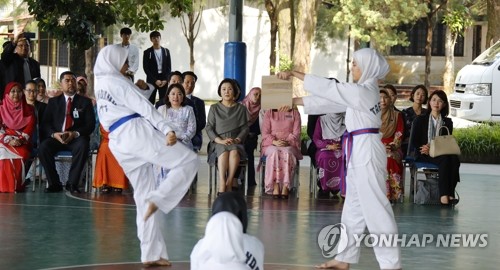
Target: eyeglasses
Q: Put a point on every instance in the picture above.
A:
(16, 91)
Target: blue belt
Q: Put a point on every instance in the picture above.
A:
(122, 121)
(347, 147)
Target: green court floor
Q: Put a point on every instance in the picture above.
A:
(96, 231)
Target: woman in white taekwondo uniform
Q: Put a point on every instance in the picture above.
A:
(366, 204)
(140, 137)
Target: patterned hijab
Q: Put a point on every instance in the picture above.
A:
(252, 107)
(389, 119)
(15, 115)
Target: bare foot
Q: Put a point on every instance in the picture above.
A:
(333, 264)
(160, 262)
(151, 210)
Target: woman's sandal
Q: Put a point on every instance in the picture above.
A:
(105, 189)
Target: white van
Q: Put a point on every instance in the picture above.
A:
(477, 88)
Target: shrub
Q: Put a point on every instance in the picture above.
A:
(479, 144)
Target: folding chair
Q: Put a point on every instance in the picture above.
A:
(416, 167)
(213, 175)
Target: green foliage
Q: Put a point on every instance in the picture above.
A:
(326, 29)
(458, 19)
(480, 143)
(72, 21)
(285, 64)
(77, 21)
(377, 20)
(303, 134)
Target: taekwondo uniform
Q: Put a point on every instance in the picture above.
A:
(366, 203)
(137, 139)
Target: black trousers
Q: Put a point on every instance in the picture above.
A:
(448, 171)
(79, 148)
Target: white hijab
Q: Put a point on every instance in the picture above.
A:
(110, 60)
(222, 246)
(371, 63)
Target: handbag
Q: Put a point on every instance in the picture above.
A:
(444, 145)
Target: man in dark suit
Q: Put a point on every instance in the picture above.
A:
(189, 82)
(157, 65)
(68, 121)
(19, 67)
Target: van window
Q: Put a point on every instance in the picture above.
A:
(489, 56)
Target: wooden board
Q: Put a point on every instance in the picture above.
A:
(275, 92)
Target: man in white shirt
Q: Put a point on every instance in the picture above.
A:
(133, 52)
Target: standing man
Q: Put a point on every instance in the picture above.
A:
(189, 82)
(68, 121)
(157, 66)
(133, 52)
(18, 66)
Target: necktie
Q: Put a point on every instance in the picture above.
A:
(26, 70)
(69, 119)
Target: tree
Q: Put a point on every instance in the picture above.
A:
(457, 19)
(376, 22)
(306, 25)
(191, 27)
(78, 22)
(493, 34)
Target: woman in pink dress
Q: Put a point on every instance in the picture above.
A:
(17, 122)
(281, 147)
(392, 133)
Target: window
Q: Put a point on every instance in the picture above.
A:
(48, 54)
(417, 35)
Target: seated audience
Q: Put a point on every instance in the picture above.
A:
(17, 123)
(425, 129)
(281, 147)
(392, 134)
(42, 91)
(252, 103)
(173, 77)
(108, 175)
(329, 159)
(68, 122)
(181, 119)
(419, 97)
(222, 246)
(189, 82)
(227, 128)
(234, 202)
(30, 92)
(393, 94)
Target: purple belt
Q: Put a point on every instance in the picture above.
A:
(347, 147)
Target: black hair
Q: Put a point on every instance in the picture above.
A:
(189, 73)
(173, 73)
(442, 95)
(169, 89)
(66, 73)
(234, 84)
(392, 88)
(154, 34)
(33, 82)
(420, 86)
(232, 202)
(126, 31)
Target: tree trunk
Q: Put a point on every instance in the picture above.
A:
(428, 47)
(271, 12)
(449, 69)
(285, 27)
(306, 24)
(89, 60)
(493, 34)
(77, 61)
